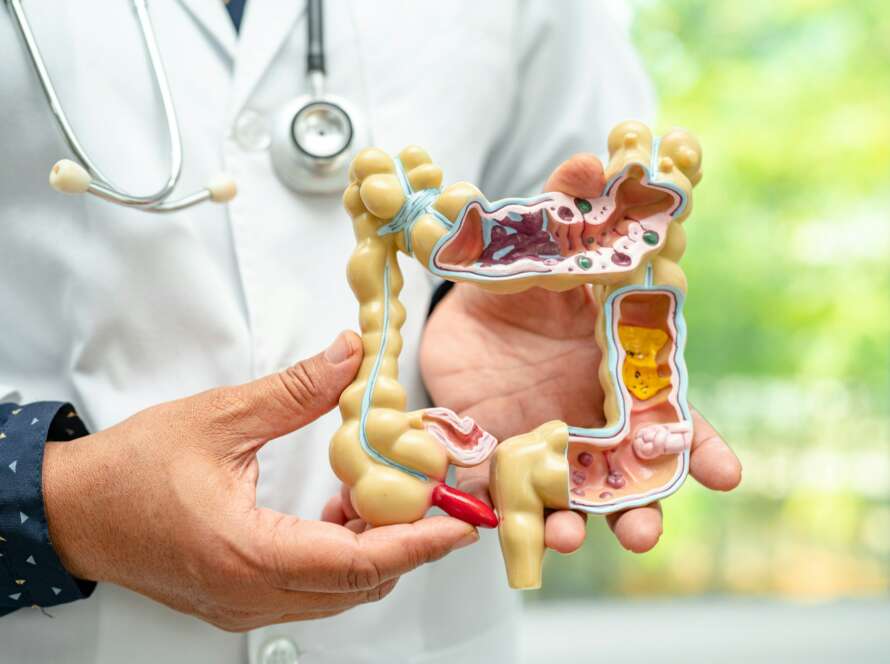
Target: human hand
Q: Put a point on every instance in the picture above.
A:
(512, 362)
(164, 504)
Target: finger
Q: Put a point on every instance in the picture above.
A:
(712, 462)
(288, 400)
(637, 529)
(339, 600)
(264, 621)
(356, 525)
(564, 531)
(346, 500)
(300, 617)
(322, 557)
(391, 551)
(581, 175)
(333, 512)
(313, 603)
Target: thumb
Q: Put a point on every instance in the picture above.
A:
(581, 175)
(292, 398)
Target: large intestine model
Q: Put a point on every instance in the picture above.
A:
(624, 246)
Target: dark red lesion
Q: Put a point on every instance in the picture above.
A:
(588, 467)
(531, 240)
(565, 213)
(511, 239)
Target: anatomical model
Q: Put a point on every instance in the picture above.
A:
(624, 246)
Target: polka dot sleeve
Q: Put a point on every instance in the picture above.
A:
(30, 572)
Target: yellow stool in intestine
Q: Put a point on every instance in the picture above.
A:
(640, 371)
(624, 245)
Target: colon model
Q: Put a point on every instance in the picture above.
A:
(623, 246)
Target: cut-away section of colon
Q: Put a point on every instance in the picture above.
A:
(644, 454)
(559, 234)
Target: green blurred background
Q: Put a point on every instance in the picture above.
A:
(788, 309)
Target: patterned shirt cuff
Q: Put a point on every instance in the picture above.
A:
(30, 571)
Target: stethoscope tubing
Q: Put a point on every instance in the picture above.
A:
(84, 176)
(101, 185)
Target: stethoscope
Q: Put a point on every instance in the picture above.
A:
(314, 137)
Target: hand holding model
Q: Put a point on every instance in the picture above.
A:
(606, 247)
(164, 504)
(512, 361)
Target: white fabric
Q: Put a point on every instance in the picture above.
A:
(117, 310)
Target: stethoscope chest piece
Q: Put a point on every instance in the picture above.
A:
(314, 138)
(316, 135)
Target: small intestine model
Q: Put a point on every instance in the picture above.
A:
(624, 246)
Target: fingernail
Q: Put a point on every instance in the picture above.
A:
(470, 538)
(338, 351)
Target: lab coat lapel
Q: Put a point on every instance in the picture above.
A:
(265, 26)
(213, 17)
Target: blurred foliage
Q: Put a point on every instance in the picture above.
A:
(788, 309)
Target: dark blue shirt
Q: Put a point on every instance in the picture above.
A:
(236, 11)
(31, 574)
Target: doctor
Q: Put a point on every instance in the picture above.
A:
(117, 311)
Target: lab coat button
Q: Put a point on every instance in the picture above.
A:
(279, 651)
(251, 131)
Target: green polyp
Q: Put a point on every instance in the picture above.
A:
(584, 262)
(584, 205)
(650, 237)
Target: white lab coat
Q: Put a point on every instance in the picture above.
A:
(116, 310)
